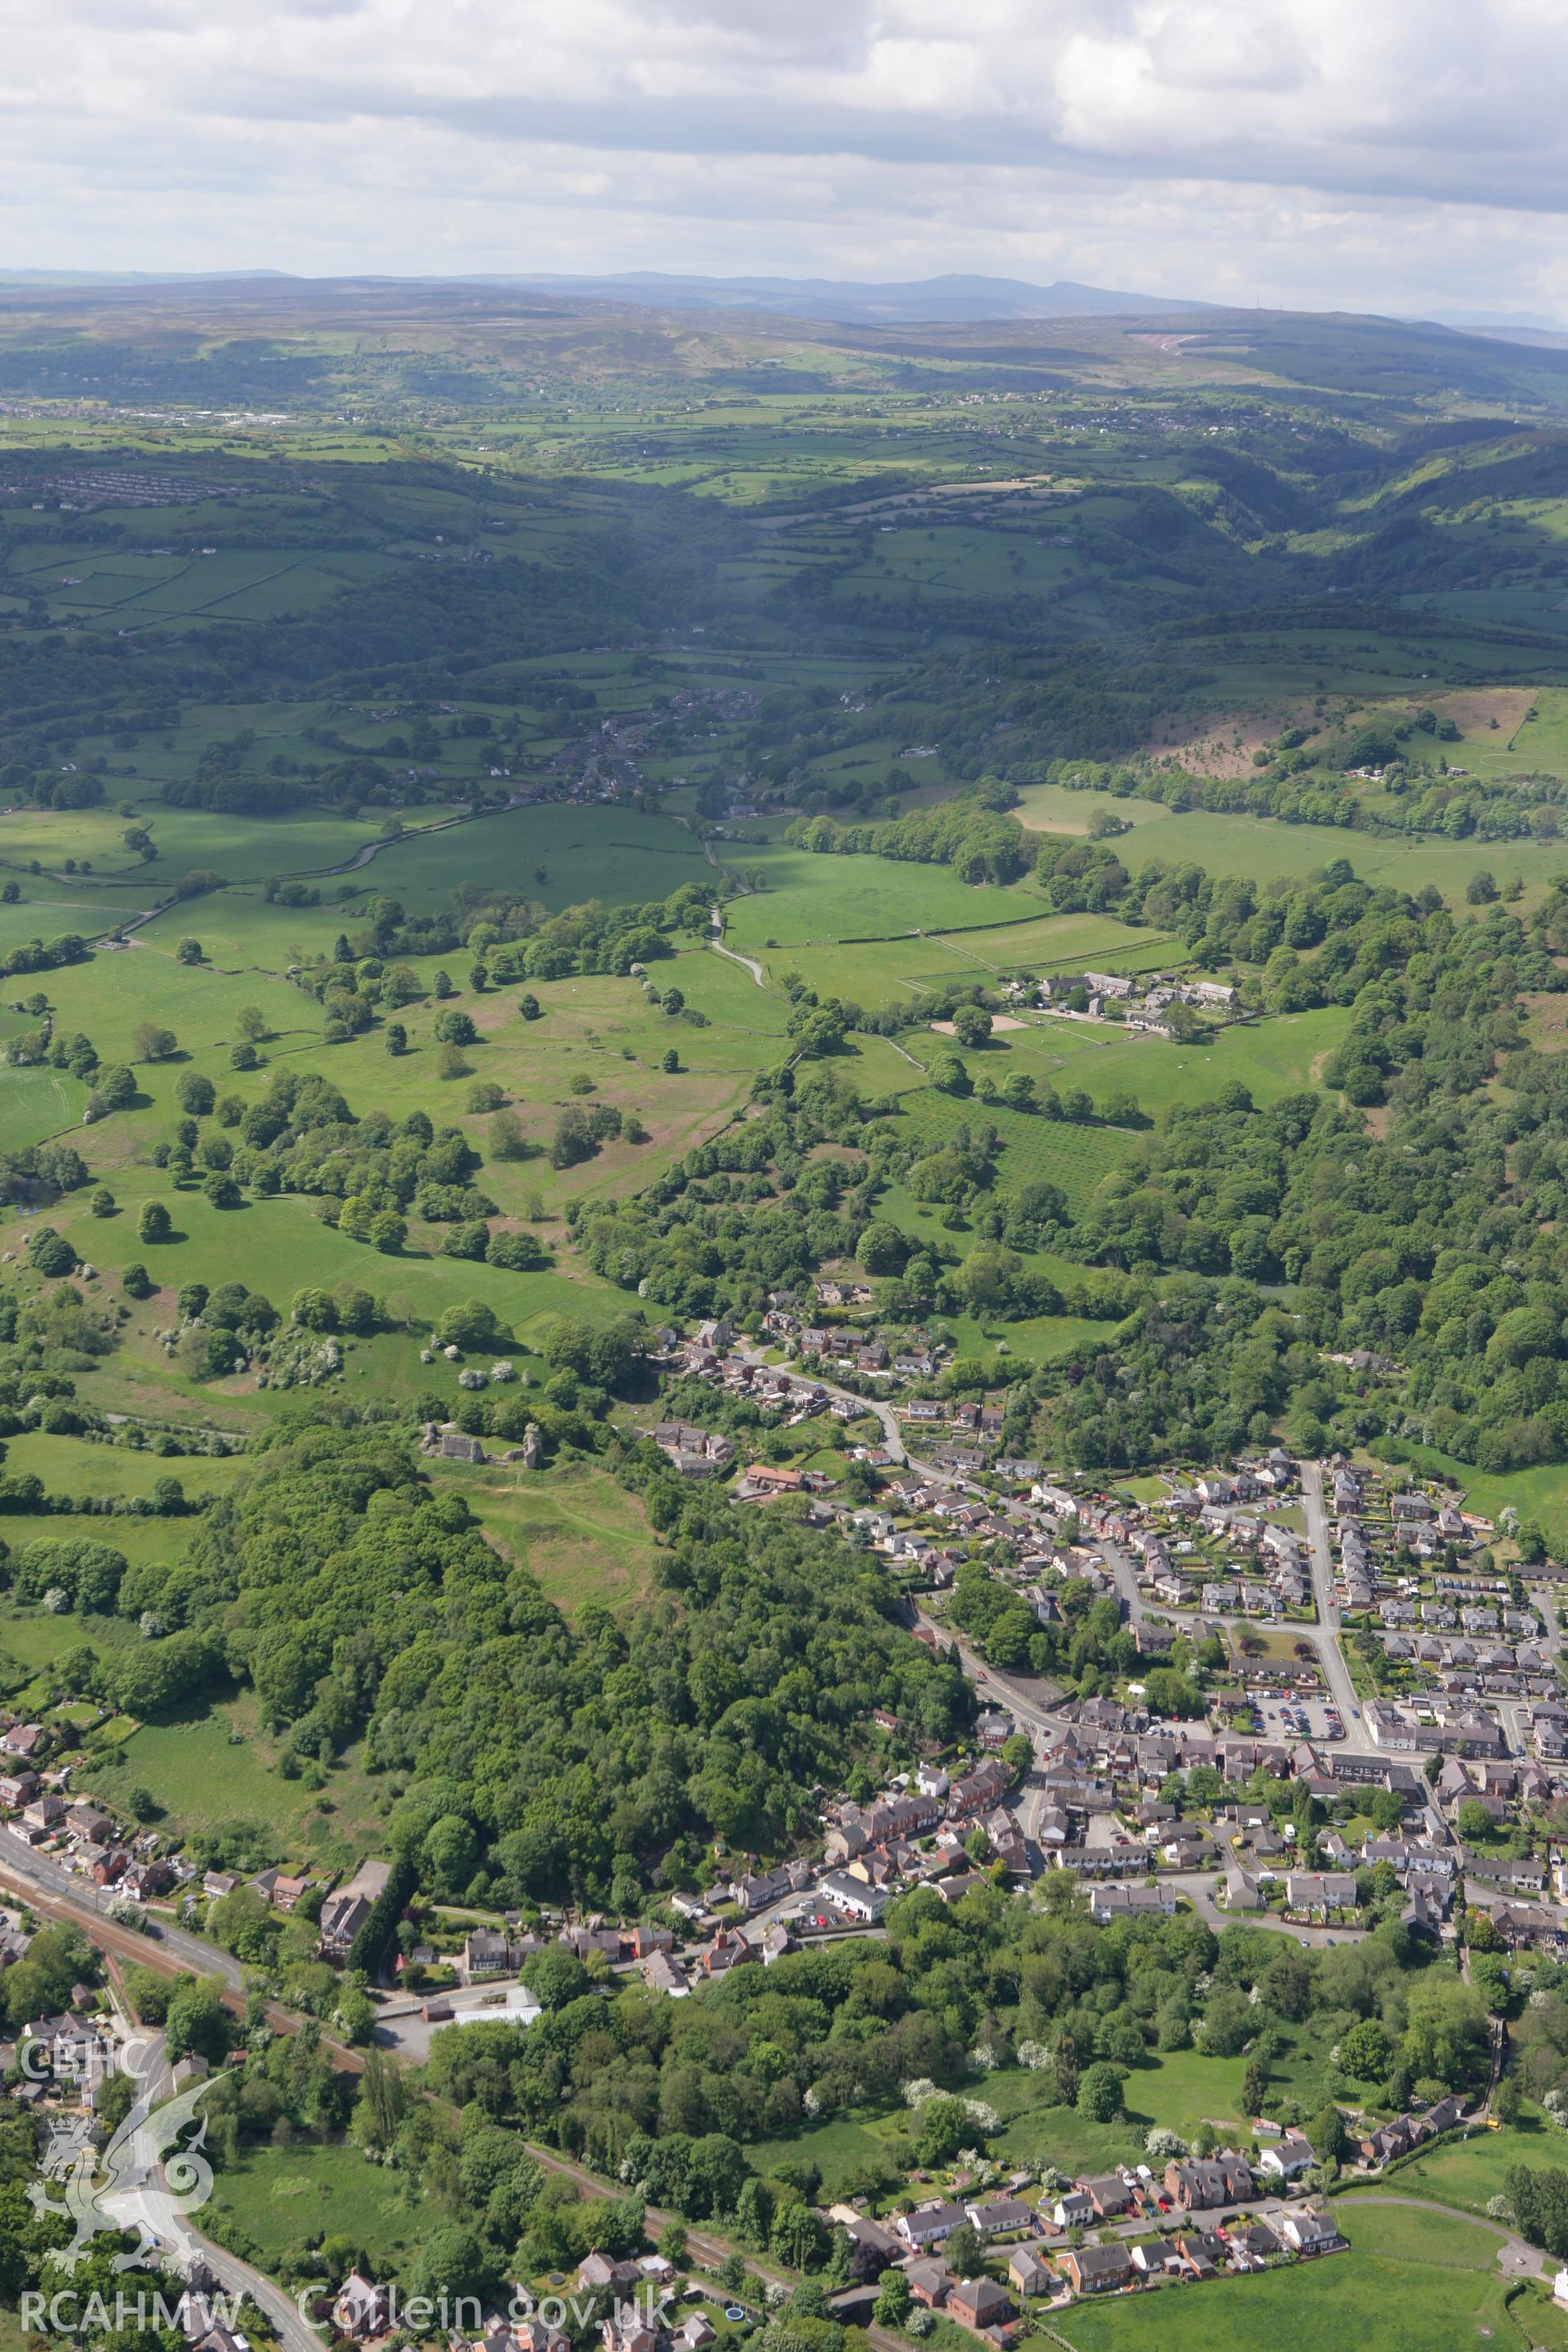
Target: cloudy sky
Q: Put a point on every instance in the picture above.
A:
(1376, 154)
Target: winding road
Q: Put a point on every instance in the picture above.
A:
(747, 964)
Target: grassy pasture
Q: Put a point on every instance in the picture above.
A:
(1274, 1057)
(1467, 2172)
(1412, 2282)
(893, 972)
(38, 1638)
(249, 848)
(37, 1102)
(76, 1465)
(1262, 850)
(807, 898)
(116, 989)
(615, 855)
(1034, 1149)
(241, 930)
(1539, 1492)
(278, 1246)
(1058, 942)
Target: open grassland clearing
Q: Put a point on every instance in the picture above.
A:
(1539, 1492)
(116, 989)
(45, 908)
(1178, 2090)
(1059, 942)
(278, 1246)
(1270, 1058)
(217, 1765)
(38, 1638)
(597, 1043)
(278, 2202)
(1041, 1337)
(885, 972)
(37, 1101)
(583, 1536)
(252, 848)
(241, 930)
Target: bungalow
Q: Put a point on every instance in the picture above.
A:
(770, 1478)
(1073, 2209)
(1255, 2241)
(1001, 2217)
(930, 2223)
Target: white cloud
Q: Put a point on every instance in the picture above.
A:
(1372, 151)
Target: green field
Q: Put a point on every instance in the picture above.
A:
(807, 898)
(277, 2201)
(78, 1466)
(1034, 1149)
(38, 1638)
(615, 855)
(1260, 849)
(217, 1765)
(581, 1535)
(1178, 2089)
(1412, 2282)
(1467, 2172)
(1270, 1058)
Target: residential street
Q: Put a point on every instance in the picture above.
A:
(38, 1875)
(1330, 1655)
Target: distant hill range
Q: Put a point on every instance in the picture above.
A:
(929, 300)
